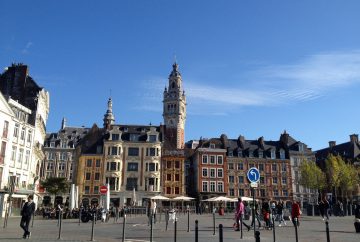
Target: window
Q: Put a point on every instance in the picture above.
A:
(22, 136)
(114, 150)
(283, 167)
(29, 136)
(97, 176)
(51, 156)
(261, 154)
(275, 181)
(284, 180)
(230, 153)
(115, 137)
(241, 179)
(212, 172)
(231, 192)
(212, 159)
(231, 179)
(241, 192)
(251, 154)
(111, 166)
(63, 144)
(177, 164)
(87, 176)
(13, 153)
(96, 189)
(134, 137)
(5, 129)
(50, 166)
(21, 154)
(274, 167)
(262, 180)
(52, 144)
(261, 167)
(282, 154)
(240, 166)
(168, 164)
(273, 154)
(97, 162)
(151, 167)
(61, 166)
(220, 172)
(16, 130)
(220, 187)
(204, 172)
(262, 193)
(62, 156)
(230, 166)
(131, 183)
(177, 177)
(168, 177)
(220, 159)
(88, 163)
(177, 190)
(152, 138)
(151, 152)
(285, 193)
(132, 166)
(133, 151)
(212, 146)
(212, 186)
(2, 152)
(204, 159)
(87, 189)
(204, 186)
(276, 193)
(168, 190)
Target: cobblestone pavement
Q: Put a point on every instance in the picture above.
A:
(137, 230)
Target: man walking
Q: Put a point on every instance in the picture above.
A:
(26, 213)
(239, 215)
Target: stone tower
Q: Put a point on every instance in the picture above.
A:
(109, 117)
(174, 111)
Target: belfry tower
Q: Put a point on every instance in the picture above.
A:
(174, 111)
(109, 117)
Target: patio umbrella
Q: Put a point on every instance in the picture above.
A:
(183, 198)
(159, 197)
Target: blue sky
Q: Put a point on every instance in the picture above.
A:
(254, 68)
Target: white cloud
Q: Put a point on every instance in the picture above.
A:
(27, 47)
(309, 79)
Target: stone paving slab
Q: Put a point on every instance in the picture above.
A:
(311, 229)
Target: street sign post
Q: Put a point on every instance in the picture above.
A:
(103, 189)
(253, 174)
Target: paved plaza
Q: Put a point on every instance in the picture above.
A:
(311, 229)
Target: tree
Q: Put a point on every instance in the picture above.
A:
(349, 179)
(311, 176)
(55, 185)
(333, 171)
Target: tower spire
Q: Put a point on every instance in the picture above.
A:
(109, 117)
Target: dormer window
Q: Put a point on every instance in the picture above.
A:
(115, 136)
(126, 129)
(212, 146)
(230, 153)
(134, 137)
(152, 138)
(251, 154)
(273, 156)
(282, 154)
(260, 153)
(301, 147)
(52, 144)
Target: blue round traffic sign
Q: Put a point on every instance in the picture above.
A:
(253, 174)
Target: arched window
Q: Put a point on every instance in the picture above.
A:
(173, 85)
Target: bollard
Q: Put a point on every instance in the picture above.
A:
(327, 231)
(188, 228)
(166, 219)
(33, 218)
(214, 223)
(241, 227)
(221, 239)
(175, 229)
(273, 224)
(92, 227)
(151, 227)
(196, 231)
(123, 231)
(257, 236)
(296, 231)
(60, 222)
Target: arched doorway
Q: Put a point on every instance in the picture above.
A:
(58, 200)
(46, 201)
(85, 202)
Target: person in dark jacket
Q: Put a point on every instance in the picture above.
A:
(26, 213)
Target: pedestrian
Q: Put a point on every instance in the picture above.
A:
(322, 209)
(256, 212)
(280, 212)
(239, 215)
(295, 213)
(266, 213)
(26, 214)
(341, 208)
(154, 208)
(326, 208)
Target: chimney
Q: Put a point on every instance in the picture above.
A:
(354, 138)
(332, 144)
